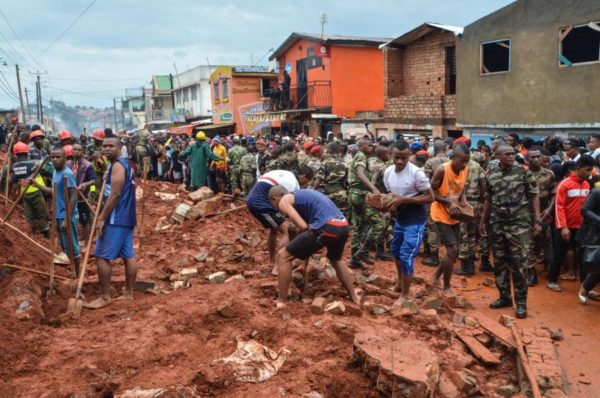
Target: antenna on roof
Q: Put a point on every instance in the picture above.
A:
(323, 21)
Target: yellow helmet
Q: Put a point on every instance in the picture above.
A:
(200, 135)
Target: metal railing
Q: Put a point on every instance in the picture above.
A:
(311, 95)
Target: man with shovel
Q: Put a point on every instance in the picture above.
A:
(115, 224)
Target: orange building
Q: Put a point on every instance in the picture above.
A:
(238, 95)
(323, 79)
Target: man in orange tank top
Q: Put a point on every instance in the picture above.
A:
(448, 185)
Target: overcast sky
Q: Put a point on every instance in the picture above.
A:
(120, 43)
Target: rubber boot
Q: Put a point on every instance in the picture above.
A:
(467, 267)
(532, 279)
(485, 264)
(432, 261)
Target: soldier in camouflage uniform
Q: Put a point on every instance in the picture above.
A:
(144, 151)
(469, 231)
(544, 179)
(359, 185)
(93, 154)
(314, 162)
(276, 162)
(381, 220)
(510, 195)
(431, 239)
(235, 154)
(289, 159)
(331, 179)
(248, 168)
(262, 157)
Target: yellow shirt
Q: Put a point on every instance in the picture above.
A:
(221, 152)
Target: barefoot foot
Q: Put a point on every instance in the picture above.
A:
(98, 303)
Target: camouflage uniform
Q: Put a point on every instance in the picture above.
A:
(332, 176)
(142, 152)
(235, 154)
(431, 237)
(302, 158)
(510, 223)
(544, 179)
(381, 220)
(248, 171)
(314, 163)
(469, 231)
(274, 164)
(289, 161)
(262, 162)
(364, 233)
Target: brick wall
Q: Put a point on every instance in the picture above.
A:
(415, 80)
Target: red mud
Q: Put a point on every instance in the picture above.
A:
(159, 341)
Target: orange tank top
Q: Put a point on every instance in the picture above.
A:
(452, 186)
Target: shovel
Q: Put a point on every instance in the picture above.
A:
(69, 228)
(51, 290)
(76, 304)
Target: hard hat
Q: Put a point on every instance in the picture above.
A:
(200, 135)
(20, 147)
(64, 134)
(68, 150)
(98, 134)
(36, 133)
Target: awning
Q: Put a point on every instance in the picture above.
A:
(187, 129)
(215, 126)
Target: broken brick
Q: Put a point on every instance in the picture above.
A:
(336, 308)
(191, 272)
(180, 212)
(201, 194)
(318, 305)
(217, 277)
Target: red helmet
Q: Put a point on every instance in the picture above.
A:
(64, 134)
(68, 150)
(98, 135)
(20, 147)
(36, 133)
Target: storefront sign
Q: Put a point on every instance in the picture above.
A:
(226, 117)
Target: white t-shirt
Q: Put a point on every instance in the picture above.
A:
(285, 178)
(409, 182)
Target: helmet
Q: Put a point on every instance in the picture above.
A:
(68, 150)
(64, 134)
(20, 147)
(98, 134)
(36, 133)
(200, 135)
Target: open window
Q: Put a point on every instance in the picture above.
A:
(579, 44)
(495, 56)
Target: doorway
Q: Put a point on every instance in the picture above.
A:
(301, 85)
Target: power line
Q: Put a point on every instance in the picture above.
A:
(7, 84)
(19, 39)
(21, 59)
(99, 80)
(68, 28)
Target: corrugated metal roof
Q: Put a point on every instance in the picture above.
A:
(162, 82)
(328, 40)
(421, 31)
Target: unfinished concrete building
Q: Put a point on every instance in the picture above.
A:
(532, 67)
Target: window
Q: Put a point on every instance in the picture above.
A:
(185, 95)
(216, 90)
(495, 56)
(450, 70)
(225, 88)
(265, 86)
(579, 44)
(193, 94)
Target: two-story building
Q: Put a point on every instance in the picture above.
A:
(533, 68)
(191, 91)
(162, 102)
(324, 79)
(419, 84)
(238, 98)
(134, 108)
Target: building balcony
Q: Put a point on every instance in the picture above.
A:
(312, 95)
(174, 115)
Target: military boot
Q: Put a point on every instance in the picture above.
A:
(363, 254)
(467, 267)
(355, 263)
(381, 254)
(485, 264)
(432, 261)
(532, 279)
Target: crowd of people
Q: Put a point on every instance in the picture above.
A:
(508, 207)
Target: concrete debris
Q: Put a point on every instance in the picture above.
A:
(201, 194)
(253, 362)
(191, 272)
(312, 394)
(209, 206)
(463, 381)
(471, 322)
(507, 321)
(238, 277)
(403, 303)
(210, 261)
(508, 390)
(318, 305)
(226, 310)
(165, 196)
(193, 214)
(217, 277)
(180, 284)
(250, 274)
(372, 278)
(432, 303)
(201, 256)
(401, 366)
(177, 390)
(336, 308)
(353, 309)
(270, 285)
(430, 314)
(180, 212)
(379, 309)
(458, 319)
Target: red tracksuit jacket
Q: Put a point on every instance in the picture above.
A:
(571, 194)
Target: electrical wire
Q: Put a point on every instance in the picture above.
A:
(21, 59)
(3, 78)
(68, 28)
(19, 39)
(99, 80)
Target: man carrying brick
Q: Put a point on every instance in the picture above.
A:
(320, 224)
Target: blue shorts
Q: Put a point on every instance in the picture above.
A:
(115, 242)
(64, 240)
(405, 245)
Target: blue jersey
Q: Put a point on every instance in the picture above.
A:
(315, 208)
(124, 214)
(60, 208)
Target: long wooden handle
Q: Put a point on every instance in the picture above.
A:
(52, 241)
(69, 228)
(8, 167)
(529, 372)
(35, 271)
(36, 171)
(86, 257)
(23, 234)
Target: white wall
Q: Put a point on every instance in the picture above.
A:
(197, 77)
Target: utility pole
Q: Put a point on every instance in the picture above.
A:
(27, 102)
(115, 113)
(37, 101)
(20, 93)
(40, 97)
